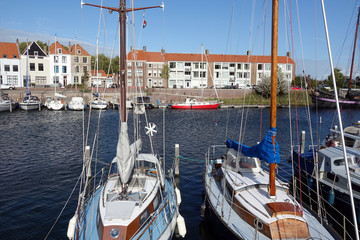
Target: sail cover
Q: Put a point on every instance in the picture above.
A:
(125, 154)
(264, 150)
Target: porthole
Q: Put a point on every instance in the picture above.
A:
(258, 224)
(114, 233)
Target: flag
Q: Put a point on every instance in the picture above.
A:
(144, 23)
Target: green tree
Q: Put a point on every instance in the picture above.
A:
(165, 72)
(340, 79)
(22, 47)
(264, 86)
(85, 79)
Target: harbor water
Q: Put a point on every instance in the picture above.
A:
(41, 157)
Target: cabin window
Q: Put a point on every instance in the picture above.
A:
(349, 142)
(156, 201)
(339, 162)
(144, 216)
(258, 224)
(355, 187)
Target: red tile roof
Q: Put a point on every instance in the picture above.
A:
(101, 73)
(58, 45)
(76, 47)
(191, 57)
(9, 49)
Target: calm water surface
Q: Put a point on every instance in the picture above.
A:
(41, 158)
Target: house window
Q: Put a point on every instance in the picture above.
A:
(267, 66)
(84, 59)
(196, 74)
(15, 56)
(76, 79)
(56, 59)
(32, 66)
(79, 51)
(15, 68)
(217, 66)
(76, 69)
(225, 66)
(288, 67)
(188, 73)
(4, 56)
(56, 69)
(76, 59)
(36, 53)
(56, 79)
(41, 67)
(232, 65)
(85, 68)
(196, 65)
(246, 66)
(63, 59)
(203, 74)
(239, 66)
(40, 80)
(202, 65)
(149, 65)
(187, 64)
(217, 75)
(7, 68)
(260, 67)
(64, 69)
(172, 64)
(59, 51)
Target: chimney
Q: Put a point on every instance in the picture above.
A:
(163, 51)
(248, 53)
(144, 48)
(131, 49)
(206, 51)
(69, 45)
(288, 54)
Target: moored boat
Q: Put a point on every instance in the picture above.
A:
(76, 104)
(195, 104)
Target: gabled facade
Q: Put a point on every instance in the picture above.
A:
(35, 63)
(60, 65)
(202, 70)
(10, 65)
(80, 63)
(101, 79)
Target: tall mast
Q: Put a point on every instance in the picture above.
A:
(274, 52)
(27, 68)
(122, 10)
(353, 55)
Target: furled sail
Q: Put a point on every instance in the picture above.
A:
(125, 154)
(265, 150)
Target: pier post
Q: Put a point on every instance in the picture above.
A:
(177, 154)
(302, 146)
(10, 105)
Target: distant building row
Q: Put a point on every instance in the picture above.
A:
(59, 65)
(202, 70)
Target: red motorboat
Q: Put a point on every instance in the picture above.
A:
(195, 104)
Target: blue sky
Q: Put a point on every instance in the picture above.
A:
(223, 27)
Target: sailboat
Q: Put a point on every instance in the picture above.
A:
(29, 102)
(323, 99)
(57, 102)
(252, 203)
(137, 200)
(6, 103)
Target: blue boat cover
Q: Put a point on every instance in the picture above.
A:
(264, 150)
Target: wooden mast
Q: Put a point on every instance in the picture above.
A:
(274, 52)
(353, 55)
(122, 10)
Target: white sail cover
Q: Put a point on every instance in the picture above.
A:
(125, 154)
(59, 95)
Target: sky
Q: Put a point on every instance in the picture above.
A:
(222, 27)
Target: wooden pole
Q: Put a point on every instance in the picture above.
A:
(274, 50)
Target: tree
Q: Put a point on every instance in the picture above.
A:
(340, 79)
(165, 72)
(85, 78)
(264, 86)
(22, 47)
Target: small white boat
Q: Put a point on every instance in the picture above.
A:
(76, 104)
(6, 104)
(98, 104)
(30, 103)
(55, 104)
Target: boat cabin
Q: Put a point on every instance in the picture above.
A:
(237, 162)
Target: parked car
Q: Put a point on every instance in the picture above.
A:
(7, 86)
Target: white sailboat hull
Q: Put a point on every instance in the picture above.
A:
(5, 106)
(55, 105)
(28, 106)
(98, 104)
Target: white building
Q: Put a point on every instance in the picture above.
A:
(10, 65)
(35, 64)
(60, 64)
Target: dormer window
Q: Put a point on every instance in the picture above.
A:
(36, 53)
(4, 56)
(78, 51)
(59, 51)
(15, 56)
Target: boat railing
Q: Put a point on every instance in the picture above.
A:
(330, 215)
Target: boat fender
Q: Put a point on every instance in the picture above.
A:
(178, 196)
(202, 209)
(180, 221)
(331, 198)
(71, 227)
